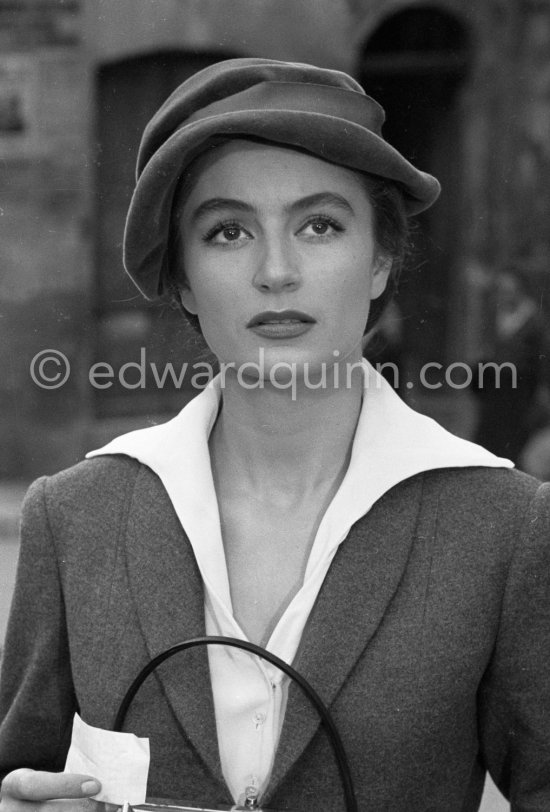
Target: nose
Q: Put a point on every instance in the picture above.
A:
(278, 267)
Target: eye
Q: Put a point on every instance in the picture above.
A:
(319, 226)
(226, 233)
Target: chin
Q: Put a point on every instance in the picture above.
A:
(306, 366)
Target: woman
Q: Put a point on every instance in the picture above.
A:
(296, 502)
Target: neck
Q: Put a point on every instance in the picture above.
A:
(285, 444)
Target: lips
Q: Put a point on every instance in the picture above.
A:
(280, 317)
(281, 325)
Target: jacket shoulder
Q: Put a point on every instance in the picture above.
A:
(90, 493)
(489, 508)
(111, 474)
(494, 487)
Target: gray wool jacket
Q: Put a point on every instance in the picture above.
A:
(429, 641)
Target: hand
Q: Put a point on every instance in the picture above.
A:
(33, 791)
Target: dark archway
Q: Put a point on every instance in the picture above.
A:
(414, 65)
(128, 93)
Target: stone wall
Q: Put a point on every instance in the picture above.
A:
(316, 31)
(532, 242)
(45, 279)
(507, 126)
(26, 24)
(49, 51)
(504, 139)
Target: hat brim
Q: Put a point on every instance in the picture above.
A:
(328, 137)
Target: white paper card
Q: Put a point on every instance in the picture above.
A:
(120, 761)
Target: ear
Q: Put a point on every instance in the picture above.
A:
(380, 274)
(187, 298)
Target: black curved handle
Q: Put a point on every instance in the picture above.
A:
(310, 693)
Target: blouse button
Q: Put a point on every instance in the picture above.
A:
(259, 719)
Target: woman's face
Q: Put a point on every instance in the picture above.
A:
(279, 256)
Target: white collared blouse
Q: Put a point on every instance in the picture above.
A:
(391, 443)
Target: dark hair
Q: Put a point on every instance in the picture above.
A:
(391, 233)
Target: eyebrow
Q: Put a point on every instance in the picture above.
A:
(216, 204)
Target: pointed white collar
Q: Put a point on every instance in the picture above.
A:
(392, 443)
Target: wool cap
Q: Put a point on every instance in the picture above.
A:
(324, 112)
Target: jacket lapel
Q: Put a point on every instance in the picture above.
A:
(159, 553)
(355, 595)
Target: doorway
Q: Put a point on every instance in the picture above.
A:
(130, 330)
(414, 64)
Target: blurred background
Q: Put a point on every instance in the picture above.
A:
(466, 88)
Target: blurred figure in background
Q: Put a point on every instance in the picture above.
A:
(506, 392)
(535, 457)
